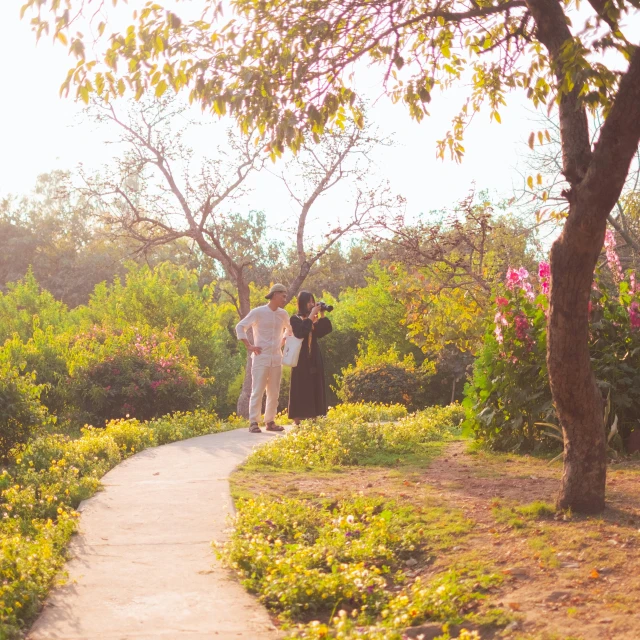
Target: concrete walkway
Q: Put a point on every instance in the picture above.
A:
(142, 566)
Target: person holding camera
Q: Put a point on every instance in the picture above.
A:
(307, 393)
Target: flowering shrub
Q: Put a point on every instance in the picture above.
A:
(300, 558)
(138, 373)
(367, 411)
(189, 424)
(39, 492)
(440, 599)
(306, 558)
(509, 392)
(345, 437)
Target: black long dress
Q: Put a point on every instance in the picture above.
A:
(307, 394)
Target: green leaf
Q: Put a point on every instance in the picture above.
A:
(161, 87)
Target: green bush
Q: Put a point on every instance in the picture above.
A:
(26, 307)
(21, 413)
(45, 355)
(434, 424)
(367, 411)
(115, 374)
(384, 378)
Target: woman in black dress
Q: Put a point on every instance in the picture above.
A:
(307, 394)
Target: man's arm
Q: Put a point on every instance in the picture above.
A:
(241, 332)
(287, 331)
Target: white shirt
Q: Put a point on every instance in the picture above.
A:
(269, 329)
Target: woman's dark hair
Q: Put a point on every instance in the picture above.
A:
(303, 300)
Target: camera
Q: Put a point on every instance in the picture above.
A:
(325, 307)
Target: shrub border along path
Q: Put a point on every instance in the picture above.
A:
(141, 565)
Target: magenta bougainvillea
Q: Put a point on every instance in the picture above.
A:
(132, 372)
(509, 390)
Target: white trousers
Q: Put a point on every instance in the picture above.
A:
(264, 379)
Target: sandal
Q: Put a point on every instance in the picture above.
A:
(254, 428)
(272, 426)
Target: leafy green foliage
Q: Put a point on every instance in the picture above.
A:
(26, 307)
(261, 67)
(45, 356)
(21, 413)
(387, 379)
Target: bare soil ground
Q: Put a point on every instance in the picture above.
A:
(566, 577)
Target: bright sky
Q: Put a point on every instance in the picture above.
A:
(42, 132)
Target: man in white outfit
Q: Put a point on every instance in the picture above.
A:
(270, 324)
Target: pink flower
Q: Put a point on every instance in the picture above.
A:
(528, 289)
(513, 278)
(500, 320)
(545, 287)
(520, 278)
(613, 259)
(544, 270)
(502, 301)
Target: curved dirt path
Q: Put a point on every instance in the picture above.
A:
(142, 566)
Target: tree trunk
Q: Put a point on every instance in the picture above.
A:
(597, 175)
(294, 287)
(244, 298)
(576, 396)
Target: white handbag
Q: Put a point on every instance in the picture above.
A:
(291, 353)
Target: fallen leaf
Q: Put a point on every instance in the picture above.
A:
(594, 574)
(514, 605)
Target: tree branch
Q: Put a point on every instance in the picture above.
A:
(554, 33)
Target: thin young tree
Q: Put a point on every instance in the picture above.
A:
(342, 158)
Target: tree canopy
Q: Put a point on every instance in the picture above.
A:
(287, 67)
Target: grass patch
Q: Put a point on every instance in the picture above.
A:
(330, 557)
(518, 516)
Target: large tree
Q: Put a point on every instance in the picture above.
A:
(288, 67)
